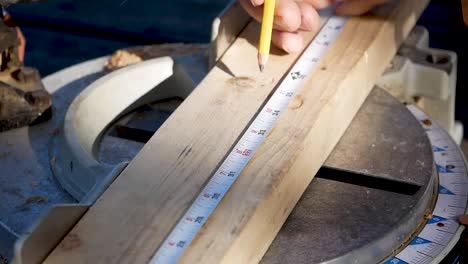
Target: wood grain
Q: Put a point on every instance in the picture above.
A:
(135, 214)
(253, 211)
(138, 210)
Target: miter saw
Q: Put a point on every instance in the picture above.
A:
(390, 192)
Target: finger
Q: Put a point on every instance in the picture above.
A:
(257, 2)
(287, 14)
(310, 19)
(465, 11)
(357, 7)
(253, 11)
(291, 42)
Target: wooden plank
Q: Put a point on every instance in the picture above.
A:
(134, 215)
(253, 211)
(226, 28)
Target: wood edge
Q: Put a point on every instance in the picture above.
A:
(267, 207)
(303, 156)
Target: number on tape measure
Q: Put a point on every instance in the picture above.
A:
(189, 225)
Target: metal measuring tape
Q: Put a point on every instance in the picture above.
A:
(205, 203)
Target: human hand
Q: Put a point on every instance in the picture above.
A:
(292, 16)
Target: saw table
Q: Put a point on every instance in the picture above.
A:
(389, 192)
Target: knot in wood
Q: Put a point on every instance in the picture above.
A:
(242, 82)
(296, 102)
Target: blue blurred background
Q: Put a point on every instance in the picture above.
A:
(61, 33)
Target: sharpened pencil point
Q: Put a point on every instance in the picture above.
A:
(262, 60)
(261, 67)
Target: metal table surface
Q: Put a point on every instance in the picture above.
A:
(374, 198)
(366, 207)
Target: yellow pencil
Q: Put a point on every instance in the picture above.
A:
(265, 33)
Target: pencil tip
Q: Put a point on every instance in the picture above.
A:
(262, 67)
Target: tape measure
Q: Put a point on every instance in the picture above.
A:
(442, 230)
(205, 203)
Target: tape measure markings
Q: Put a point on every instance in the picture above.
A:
(189, 225)
(441, 229)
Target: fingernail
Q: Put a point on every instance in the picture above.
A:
(254, 2)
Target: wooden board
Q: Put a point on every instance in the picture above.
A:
(251, 214)
(138, 210)
(226, 27)
(130, 220)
